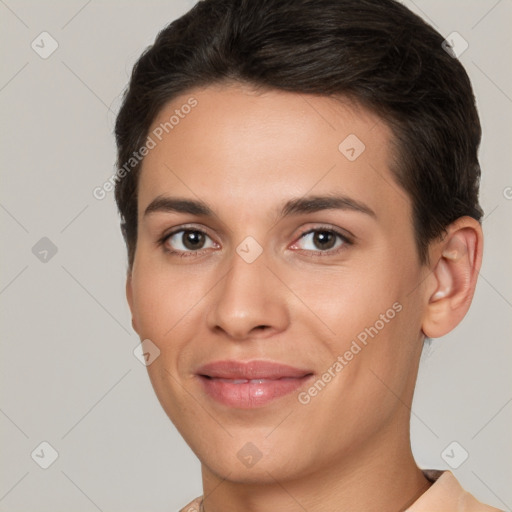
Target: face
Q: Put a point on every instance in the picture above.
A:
(276, 272)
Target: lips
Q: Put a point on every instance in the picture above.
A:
(250, 384)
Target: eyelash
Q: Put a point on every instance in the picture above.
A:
(181, 254)
(346, 241)
(186, 254)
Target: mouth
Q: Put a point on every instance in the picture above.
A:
(251, 384)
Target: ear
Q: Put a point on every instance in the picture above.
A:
(129, 297)
(456, 261)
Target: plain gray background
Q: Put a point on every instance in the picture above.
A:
(69, 376)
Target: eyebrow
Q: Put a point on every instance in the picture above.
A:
(301, 205)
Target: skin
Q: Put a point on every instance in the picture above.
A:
(245, 153)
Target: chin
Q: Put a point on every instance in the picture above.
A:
(261, 460)
(263, 472)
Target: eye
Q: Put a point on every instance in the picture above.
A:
(321, 240)
(187, 241)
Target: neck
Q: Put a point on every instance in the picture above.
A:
(382, 477)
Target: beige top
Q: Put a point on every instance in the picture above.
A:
(446, 495)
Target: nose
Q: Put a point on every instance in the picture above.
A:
(249, 302)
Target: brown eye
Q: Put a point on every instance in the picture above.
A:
(188, 240)
(322, 240)
(193, 240)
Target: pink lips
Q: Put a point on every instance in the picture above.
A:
(250, 384)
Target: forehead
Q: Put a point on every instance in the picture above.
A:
(249, 148)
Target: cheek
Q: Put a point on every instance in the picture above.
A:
(162, 300)
(149, 305)
(365, 310)
(346, 300)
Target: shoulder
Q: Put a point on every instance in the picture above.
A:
(193, 506)
(447, 495)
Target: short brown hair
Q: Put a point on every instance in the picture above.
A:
(375, 51)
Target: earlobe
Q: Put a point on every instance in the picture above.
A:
(453, 277)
